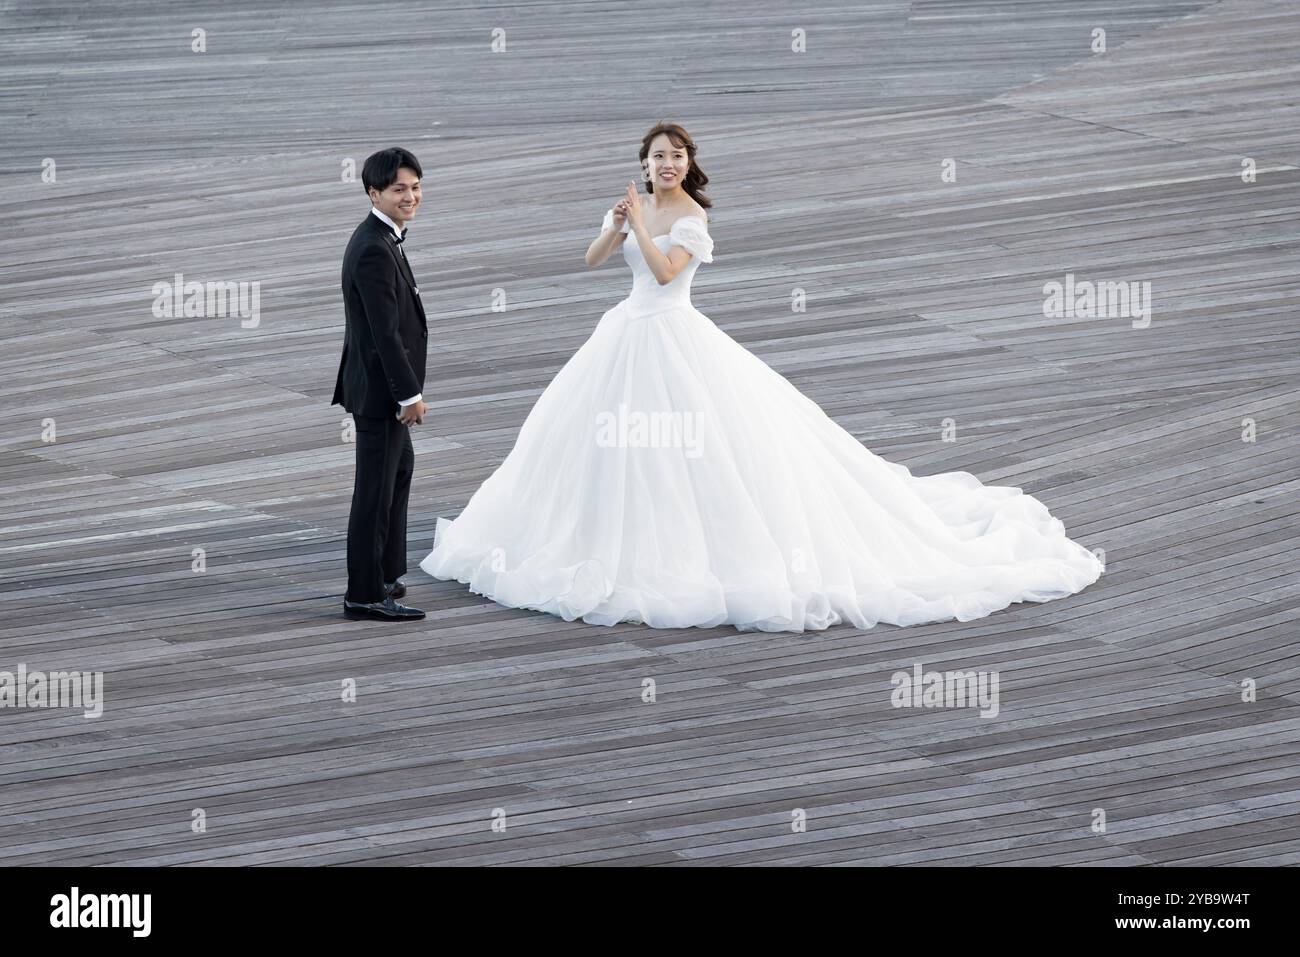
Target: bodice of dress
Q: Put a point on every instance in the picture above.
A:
(689, 232)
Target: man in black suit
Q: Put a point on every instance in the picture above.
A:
(380, 382)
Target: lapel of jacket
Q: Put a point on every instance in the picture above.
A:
(403, 266)
(390, 245)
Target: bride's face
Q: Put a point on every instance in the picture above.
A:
(401, 199)
(666, 164)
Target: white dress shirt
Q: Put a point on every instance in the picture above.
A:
(397, 234)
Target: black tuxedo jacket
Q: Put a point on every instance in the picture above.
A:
(387, 337)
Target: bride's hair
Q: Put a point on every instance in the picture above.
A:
(695, 180)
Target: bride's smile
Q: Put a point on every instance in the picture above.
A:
(667, 164)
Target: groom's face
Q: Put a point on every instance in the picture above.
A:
(401, 199)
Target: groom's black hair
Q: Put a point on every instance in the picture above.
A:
(381, 168)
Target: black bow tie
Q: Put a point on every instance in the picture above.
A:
(400, 238)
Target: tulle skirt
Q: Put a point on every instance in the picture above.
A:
(668, 476)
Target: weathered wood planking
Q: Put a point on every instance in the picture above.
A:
(924, 303)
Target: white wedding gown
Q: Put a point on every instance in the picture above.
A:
(669, 476)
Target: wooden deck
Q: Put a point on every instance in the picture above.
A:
(924, 302)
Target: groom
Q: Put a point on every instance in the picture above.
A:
(380, 381)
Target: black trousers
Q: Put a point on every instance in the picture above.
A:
(377, 522)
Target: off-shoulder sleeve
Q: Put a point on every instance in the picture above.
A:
(691, 233)
(609, 222)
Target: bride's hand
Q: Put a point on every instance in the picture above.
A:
(632, 206)
(620, 214)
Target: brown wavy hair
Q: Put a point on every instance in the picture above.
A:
(695, 180)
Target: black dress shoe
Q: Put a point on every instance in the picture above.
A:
(395, 589)
(386, 610)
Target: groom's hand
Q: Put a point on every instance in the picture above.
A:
(413, 414)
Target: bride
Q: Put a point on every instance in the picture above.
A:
(669, 476)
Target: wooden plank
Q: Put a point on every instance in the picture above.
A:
(924, 301)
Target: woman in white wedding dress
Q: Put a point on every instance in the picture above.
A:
(669, 476)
